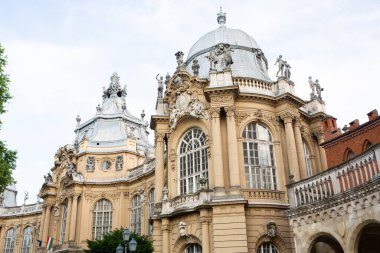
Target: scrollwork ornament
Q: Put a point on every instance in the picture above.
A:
(230, 110)
(214, 112)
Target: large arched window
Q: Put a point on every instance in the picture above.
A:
(259, 161)
(27, 240)
(9, 241)
(193, 162)
(136, 214)
(63, 224)
(267, 248)
(150, 211)
(102, 220)
(306, 152)
(193, 248)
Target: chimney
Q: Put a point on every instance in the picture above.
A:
(354, 124)
(372, 115)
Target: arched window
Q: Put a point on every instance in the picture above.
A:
(306, 152)
(102, 220)
(136, 214)
(193, 248)
(193, 162)
(348, 154)
(267, 248)
(63, 224)
(259, 161)
(150, 211)
(9, 241)
(366, 145)
(27, 240)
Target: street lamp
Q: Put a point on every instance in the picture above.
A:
(132, 243)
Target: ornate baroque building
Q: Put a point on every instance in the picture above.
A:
(237, 166)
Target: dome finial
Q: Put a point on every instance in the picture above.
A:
(222, 16)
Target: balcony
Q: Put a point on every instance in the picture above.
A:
(355, 178)
(185, 202)
(21, 210)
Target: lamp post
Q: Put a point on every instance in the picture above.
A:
(132, 244)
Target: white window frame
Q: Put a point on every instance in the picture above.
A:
(27, 240)
(102, 218)
(136, 214)
(192, 160)
(193, 248)
(306, 152)
(259, 157)
(267, 248)
(150, 210)
(9, 241)
(63, 224)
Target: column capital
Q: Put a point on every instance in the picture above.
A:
(297, 121)
(230, 110)
(214, 112)
(320, 135)
(287, 117)
(159, 137)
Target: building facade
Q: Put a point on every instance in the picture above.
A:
(235, 158)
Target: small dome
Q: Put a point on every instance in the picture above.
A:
(248, 59)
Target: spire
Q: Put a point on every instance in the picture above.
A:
(115, 90)
(221, 17)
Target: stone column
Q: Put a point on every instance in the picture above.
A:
(299, 147)
(46, 223)
(291, 147)
(322, 153)
(204, 219)
(217, 151)
(233, 161)
(41, 232)
(73, 218)
(165, 235)
(159, 171)
(68, 218)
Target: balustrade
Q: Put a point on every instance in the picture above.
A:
(347, 176)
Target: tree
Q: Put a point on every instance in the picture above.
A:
(7, 157)
(112, 239)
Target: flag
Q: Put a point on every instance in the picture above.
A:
(39, 243)
(49, 243)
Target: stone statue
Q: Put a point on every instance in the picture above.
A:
(165, 193)
(213, 60)
(203, 182)
(179, 57)
(160, 85)
(182, 228)
(195, 67)
(312, 87)
(227, 57)
(318, 89)
(119, 162)
(271, 229)
(281, 65)
(173, 116)
(26, 196)
(177, 80)
(48, 178)
(167, 79)
(287, 71)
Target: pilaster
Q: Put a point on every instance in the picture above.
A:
(291, 146)
(299, 147)
(159, 170)
(217, 151)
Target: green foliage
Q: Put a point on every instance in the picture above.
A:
(7, 157)
(112, 239)
(4, 82)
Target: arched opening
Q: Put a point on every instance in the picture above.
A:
(326, 244)
(369, 239)
(193, 248)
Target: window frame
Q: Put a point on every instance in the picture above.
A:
(27, 240)
(259, 157)
(100, 225)
(271, 248)
(9, 240)
(136, 214)
(192, 161)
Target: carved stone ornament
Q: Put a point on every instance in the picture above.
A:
(119, 162)
(179, 58)
(271, 230)
(105, 165)
(48, 178)
(114, 88)
(220, 57)
(182, 228)
(71, 169)
(90, 166)
(185, 105)
(195, 67)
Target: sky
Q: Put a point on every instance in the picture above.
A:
(61, 54)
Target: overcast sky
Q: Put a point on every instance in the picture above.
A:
(61, 54)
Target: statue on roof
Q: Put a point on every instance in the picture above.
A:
(318, 89)
(160, 88)
(195, 67)
(312, 87)
(281, 65)
(213, 60)
(287, 71)
(179, 58)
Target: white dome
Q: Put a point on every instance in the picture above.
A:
(246, 61)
